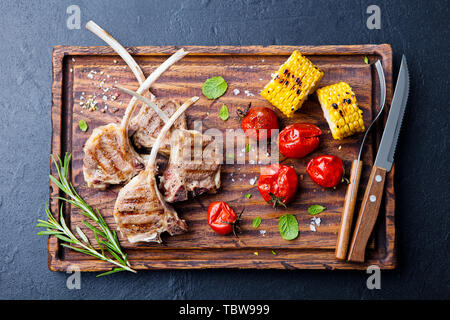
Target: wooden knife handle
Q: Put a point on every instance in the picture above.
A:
(368, 213)
(347, 214)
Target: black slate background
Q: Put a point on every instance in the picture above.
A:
(30, 29)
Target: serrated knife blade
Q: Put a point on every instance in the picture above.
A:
(386, 151)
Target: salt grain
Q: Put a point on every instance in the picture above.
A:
(316, 221)
(236, 92)
(312, 227)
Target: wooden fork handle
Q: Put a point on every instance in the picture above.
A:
(347, 213)
(368, 213)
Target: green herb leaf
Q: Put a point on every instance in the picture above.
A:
(256, 222)
(110, 272)
(366, 60)
(247, 148)
(274, 253)
(83, 125)
(315, 209)
(214, 87)
(223, 113)
(60, 230)
(288, 226)
(81, 234)
(248, 195)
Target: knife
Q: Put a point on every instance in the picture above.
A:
(370, 205)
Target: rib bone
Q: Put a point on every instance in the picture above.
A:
(109, 157)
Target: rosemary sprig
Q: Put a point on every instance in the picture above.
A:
(106, 239)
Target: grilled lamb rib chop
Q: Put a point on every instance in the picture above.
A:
(185, 174)
(98, 170)
(146, 125)
(140, 211)
(109, 158)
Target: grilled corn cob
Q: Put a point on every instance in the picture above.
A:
(291, 85)
(341, 110)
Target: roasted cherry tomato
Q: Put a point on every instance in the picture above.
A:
(258, 122)
(326, 171)
(299, 139)
(278, 184)
(221, 218)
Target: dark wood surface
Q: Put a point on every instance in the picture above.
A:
(243, 68)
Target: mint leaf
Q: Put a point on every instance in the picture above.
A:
(248, 195)
(366, 60)
(288, 226)
(256, 222)
(315, 209)
(274, 253)
(83, 125)
(214, 87)
(223, 113)
(247, 148)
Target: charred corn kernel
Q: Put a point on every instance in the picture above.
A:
(341, 110)
(294, 81)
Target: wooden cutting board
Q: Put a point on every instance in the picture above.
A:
(82, 71)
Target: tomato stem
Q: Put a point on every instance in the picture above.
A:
(243, 113)
(276, 200)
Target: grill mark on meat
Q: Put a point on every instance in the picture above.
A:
(137, 200)
(106, 153)
(145, 227)
(111, 140)
(109, 159)
(185, 176)
(146, 125)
